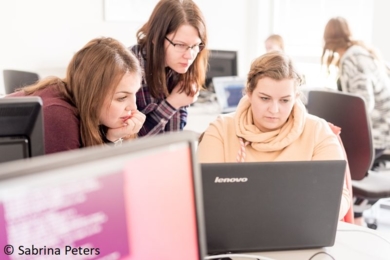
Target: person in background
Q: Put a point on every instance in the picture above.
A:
(274, 42)
(171, 49)
(361, 72)
(95, 103)
(271, 123)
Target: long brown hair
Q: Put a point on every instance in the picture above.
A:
(275, 65)
(337, 35)
(93, 74)
(167, 17)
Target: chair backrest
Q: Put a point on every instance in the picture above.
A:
(14, 79)
(348, 111)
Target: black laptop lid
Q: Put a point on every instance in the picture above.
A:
(271, 205)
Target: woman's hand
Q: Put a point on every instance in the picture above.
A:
(130, 127)
(179, 99)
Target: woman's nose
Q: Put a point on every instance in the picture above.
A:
(274, 107)
(131, 107)
(189, 54)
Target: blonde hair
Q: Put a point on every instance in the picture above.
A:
(93, 74)
(277, 39)
(274, 65)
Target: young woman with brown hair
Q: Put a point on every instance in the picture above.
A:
(95, 103)
(171, 49)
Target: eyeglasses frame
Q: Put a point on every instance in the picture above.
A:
(200, 45)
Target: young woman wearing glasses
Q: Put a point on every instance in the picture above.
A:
(171, 50)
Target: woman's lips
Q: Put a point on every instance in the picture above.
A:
(125, 118)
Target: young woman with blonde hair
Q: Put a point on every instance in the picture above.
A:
(271, 123)
(95, 103)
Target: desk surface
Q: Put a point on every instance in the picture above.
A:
(352, 243)
(201, 115)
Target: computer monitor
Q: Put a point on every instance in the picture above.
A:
(140, 201)
(221, 63)
(21, 131)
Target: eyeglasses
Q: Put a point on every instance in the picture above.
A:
(183, 47)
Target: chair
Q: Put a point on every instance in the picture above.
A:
(349, 112)
(14, 79)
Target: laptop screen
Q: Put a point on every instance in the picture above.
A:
(229, 91)
(104, 203)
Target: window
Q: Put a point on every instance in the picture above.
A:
(301, 23)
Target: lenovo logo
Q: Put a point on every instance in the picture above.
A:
(225, 180)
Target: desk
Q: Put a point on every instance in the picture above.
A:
(352, 243)
(201, 115)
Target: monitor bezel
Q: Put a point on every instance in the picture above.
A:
(22, 126)
(15, 169)
(221, 54)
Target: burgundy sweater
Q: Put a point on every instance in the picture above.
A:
(61, 121)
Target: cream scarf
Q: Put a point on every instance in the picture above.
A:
(275, 140)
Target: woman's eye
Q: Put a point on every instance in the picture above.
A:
(181, 46)
(122, 98)
(264, 98)
(285, 100)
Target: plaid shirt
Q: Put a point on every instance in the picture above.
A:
(160, 115)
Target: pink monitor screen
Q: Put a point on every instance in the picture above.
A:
(137, 203)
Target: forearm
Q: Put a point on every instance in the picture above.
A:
(157, 118)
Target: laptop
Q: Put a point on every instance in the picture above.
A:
(111, 202)
(229, 91)
(267, 206)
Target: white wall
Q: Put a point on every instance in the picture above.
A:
(381, 32)
(42, 35)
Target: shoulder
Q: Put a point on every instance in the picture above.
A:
(316, 124)
(52, 99)
(356, 50)
(355, 53)
(321, 132)
(223, 126)
(60, 116)
(224, 121)
(19, 93)
(59, 108)
(55, 107)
